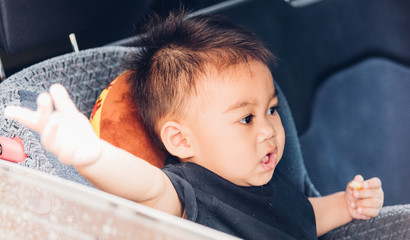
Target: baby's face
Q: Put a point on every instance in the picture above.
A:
(236, 130)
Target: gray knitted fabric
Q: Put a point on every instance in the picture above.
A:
(87, 73)
(392, 223)
(84, 74)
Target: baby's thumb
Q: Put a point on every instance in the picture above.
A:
(359, 178)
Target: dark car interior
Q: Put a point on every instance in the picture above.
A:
(343, 65)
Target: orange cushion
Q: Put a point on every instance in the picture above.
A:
(115, 119)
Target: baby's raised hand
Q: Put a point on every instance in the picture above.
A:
(65, 132)
(364, 198)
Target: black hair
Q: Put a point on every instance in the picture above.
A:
(174, 51)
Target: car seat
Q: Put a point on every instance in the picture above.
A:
(86, 73)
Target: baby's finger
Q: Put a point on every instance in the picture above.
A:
(44, 110)
(24, 116)
(48, 135)
(373, 183)
(62, 100)
(368, 212)
(370, 203)
(358, 178)
(368, 193)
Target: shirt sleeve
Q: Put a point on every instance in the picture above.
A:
(184, 190)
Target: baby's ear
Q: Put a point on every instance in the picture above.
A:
(176, 140)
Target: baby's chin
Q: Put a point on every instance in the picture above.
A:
(261, 180)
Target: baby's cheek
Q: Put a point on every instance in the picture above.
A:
(282, 143)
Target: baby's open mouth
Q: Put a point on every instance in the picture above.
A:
(269, 161)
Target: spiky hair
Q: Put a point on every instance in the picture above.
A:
(174, 51)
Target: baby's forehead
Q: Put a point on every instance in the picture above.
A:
(228, 71)
(232, 77)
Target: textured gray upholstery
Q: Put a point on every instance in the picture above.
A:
(392, 223)
(84, 74)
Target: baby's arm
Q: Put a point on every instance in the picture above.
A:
(68, 134)
(337, 209)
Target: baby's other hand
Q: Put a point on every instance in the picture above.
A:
(65, 132)
(364, 198)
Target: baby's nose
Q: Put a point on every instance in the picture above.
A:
(267, 131)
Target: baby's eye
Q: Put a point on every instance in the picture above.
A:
(247, 120)
(272, 110)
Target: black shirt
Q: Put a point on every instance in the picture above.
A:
(271, 211)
